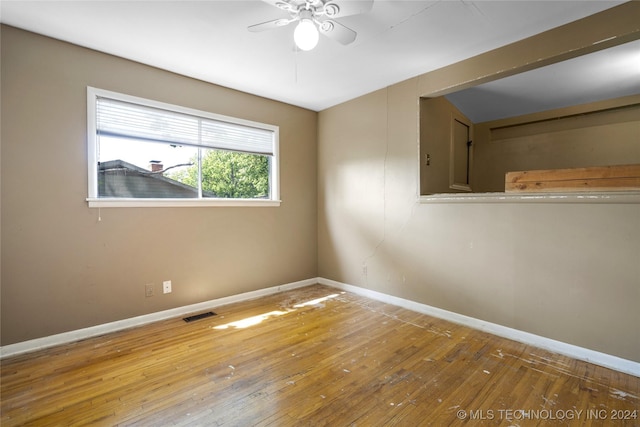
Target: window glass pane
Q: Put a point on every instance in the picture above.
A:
(145, 149)
(229, 174)
(140, 169)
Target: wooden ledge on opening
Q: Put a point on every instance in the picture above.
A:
(601, 178)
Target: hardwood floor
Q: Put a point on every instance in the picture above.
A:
(287, 360)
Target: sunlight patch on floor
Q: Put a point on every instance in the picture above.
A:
(255, 320)
(252, 321)
(315, 301)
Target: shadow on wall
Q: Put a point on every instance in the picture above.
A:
(396, 250)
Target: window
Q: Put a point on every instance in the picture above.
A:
(148, 153)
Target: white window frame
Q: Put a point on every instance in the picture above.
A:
(92, 158)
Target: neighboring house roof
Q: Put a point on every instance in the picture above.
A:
(117, 178)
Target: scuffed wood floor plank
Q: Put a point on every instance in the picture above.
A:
(310, 356)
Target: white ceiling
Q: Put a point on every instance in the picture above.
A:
(208, 40)
(606, 74)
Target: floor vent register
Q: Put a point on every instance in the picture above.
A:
(199, 316)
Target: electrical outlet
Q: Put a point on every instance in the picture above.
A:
(148, 290)
(166, 287)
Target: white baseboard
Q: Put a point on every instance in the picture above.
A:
(574, 351)
(71, 336)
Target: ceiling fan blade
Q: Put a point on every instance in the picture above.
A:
(338, 9)
(337, 31)
(269, 25)
(280, 4)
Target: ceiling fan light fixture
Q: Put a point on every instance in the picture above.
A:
(306, 34)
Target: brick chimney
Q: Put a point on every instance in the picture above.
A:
(156, 165)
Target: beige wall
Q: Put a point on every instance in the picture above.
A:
(592, 137)
(569, 272)
(61, 268)
(436, 117)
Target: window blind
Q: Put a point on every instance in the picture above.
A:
(129, 120)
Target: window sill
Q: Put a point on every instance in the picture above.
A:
(578, 197)
(179, 203)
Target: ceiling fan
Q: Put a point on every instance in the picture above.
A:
(314, 17)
